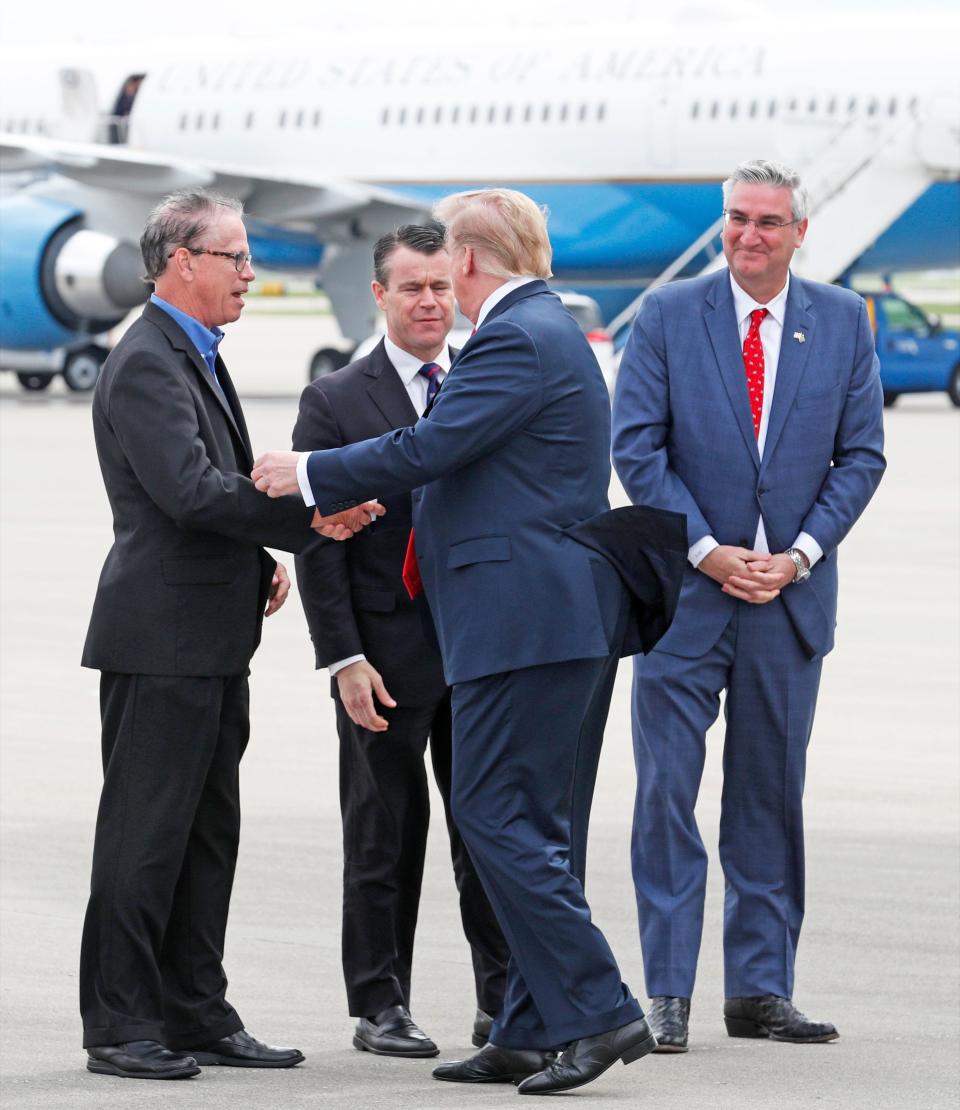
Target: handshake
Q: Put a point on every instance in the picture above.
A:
(275, 474)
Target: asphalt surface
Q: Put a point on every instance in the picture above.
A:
(879, 953)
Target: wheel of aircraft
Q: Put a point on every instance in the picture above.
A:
(326, 361)
(34, 382)
(82, 368)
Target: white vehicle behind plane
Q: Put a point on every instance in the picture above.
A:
(624, 131)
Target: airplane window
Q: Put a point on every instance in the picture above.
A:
(508, 113)
(300, 118)
(183, 122)
(913, 106)
(317, 117)
(812, 107)
(473, 113)
(455, 114)
(491, 114)
(695, 109)
(545, 114)
(563, 113)
(772, 109)
(715, 109)
(852, 104)
(402, 116)
(528, 113)
(792, 106)
(419, 116)
(438, 114)
(892, 107)
(583, 113)
(215, 122)
(601, 111)
(872, 108)
(832, 105)
(248, 122)
(283, 119)
(753, 108)
(733, 109)
(199, 123)
(384, 117)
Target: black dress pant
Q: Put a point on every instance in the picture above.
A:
(163, 860)
(385, 805)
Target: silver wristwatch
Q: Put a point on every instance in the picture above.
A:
(803, 571)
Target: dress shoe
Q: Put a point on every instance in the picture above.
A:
(393, 1032)
(494, 1064)
(771, 1016)
(668, 1018)
(583, 1060)
(241, 1050)
(482, 1024)
(140, 1060)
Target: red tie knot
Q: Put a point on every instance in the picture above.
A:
(757, 317)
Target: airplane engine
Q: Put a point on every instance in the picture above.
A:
(59, 279)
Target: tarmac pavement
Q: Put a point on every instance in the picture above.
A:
(879, 953)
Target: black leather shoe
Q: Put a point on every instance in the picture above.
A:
(583, 1061)
(771, 1016)
(669, 1018)
(140, 1060)
(494, 1064)
(393, 1032)
(482, 1024)
(241, 1050)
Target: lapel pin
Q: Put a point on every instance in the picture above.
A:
(799, 337)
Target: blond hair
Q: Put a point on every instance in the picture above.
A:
(506, 229)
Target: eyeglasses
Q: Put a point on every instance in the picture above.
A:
(765, 223)
(240, 259)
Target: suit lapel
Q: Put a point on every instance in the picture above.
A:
(721, 320)
(233, 409)
(387, 391)
(797, 320)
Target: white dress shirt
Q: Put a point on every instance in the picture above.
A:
(499, 293)
(407, 367)
(771, 334)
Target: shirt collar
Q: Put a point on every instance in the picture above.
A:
(500, 292)
(744, 304)
(408, 365)
(203, 338)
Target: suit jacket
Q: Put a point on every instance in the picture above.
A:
(353, 596)
(683, 439)
(515, 452)
(184, 585)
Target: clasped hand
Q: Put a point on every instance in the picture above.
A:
(752, 576)
(275, 474)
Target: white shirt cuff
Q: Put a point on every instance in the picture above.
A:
(809, 546)
(303, 480)
(334, 668)
(700, 550)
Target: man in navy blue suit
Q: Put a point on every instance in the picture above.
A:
(512, 460)
(750, 401)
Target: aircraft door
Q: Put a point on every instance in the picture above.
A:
(80, 112)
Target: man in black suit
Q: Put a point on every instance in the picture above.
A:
(176, 619)
(387, 679)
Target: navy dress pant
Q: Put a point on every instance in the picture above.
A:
(771, 692)
(525, 752)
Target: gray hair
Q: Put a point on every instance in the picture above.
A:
(179, 220)
(760, 171)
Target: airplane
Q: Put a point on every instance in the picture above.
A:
(623, 130)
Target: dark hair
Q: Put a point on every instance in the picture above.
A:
(179, 220)
(425, 238)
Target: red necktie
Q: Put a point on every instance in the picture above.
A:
(753, 363)
(411, 572)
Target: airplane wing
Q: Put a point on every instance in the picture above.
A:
(326, 207)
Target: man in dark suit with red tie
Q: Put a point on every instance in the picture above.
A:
(387, 679)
